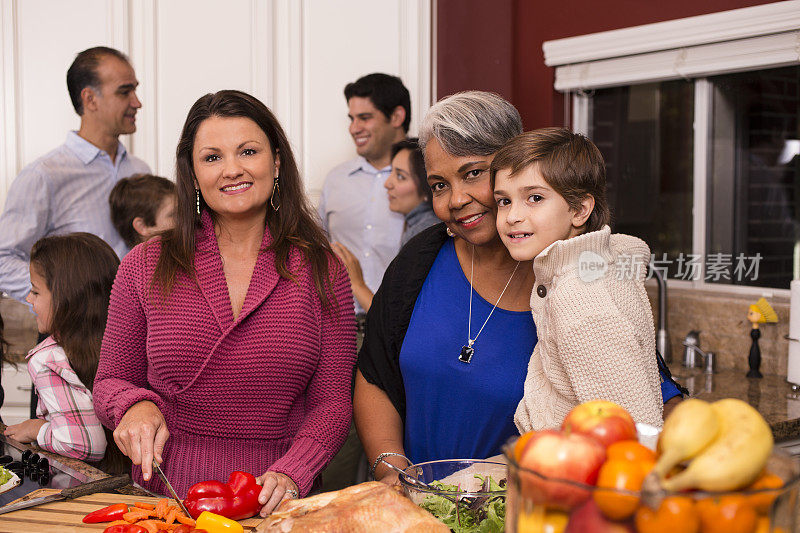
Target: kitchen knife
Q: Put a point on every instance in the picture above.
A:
(160, 473)
(103, 485)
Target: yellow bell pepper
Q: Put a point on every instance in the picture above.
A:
(214, 523)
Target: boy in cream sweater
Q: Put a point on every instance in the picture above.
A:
(592, 315)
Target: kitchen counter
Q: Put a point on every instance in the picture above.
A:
(771, 395)
(83, 469)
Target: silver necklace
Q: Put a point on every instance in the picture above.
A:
(467, 351)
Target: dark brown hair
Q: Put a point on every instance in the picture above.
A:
(417, 162)
(79, 270)
(83, 72)
(386, 93)
(293, 225)
(569, 162)
(137, 196)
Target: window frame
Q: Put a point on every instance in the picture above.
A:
(740, 40)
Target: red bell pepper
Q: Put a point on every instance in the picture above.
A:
(125, 528)
(106, 514)
(237, 499)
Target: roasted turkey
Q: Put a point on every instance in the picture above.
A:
(367, 507)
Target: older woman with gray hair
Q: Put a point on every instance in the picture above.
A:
(450, 332)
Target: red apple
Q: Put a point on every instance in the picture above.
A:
(555, 456)
(588, 519)
(605, 421)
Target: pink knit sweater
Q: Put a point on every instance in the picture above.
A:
(269, 390)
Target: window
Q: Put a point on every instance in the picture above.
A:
(646, 135)
(754, 182)
(699, 122)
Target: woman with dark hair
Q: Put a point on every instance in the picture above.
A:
(409, 195)
(231, 338)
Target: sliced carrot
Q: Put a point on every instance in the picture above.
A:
(161, 507)
(144, 505)
(117, 523)
(136, 515)
(166, 527)
(185, 520)
(173, 511)
(150, 525)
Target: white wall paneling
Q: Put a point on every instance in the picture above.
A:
(8, 110)
(295, 55)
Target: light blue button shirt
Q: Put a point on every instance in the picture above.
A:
(354, 209)
(62, 192)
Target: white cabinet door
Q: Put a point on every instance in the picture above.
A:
(17, 388)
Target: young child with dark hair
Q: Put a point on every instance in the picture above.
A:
(71, 279)
(592, 314)
(141, 207)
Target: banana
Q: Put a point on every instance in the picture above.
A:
(687, 431)
(735, 457)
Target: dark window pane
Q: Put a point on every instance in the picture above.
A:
(754, 183)
(645, 134)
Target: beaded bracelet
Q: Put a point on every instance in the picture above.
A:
(381, 457)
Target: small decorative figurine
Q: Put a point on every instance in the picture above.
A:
(758, 313)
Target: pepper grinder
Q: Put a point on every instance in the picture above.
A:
(758, 313)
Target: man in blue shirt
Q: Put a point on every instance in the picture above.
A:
(354, 207)
(67, 189)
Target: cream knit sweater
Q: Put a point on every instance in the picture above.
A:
(595, 329)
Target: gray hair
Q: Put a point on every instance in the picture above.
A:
(470, 123)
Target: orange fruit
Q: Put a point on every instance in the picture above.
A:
(730, 513)
(540, 520)
(630, 450)
(675, 514)
(763, 526)
(761, 502)
(520, 444)
(619, 474)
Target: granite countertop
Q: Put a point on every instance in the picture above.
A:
(771, 395)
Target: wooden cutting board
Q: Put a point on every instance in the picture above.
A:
(66, 515)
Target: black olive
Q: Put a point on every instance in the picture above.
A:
(5, 459)
(25, 455)
(33, 459)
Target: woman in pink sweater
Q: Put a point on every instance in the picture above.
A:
(230, 341)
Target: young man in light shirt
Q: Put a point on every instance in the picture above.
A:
(354, 207)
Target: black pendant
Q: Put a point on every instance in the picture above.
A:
(466, 354)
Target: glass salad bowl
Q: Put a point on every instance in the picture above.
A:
(465, 494)
(540, 504)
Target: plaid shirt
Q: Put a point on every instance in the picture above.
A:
(72, 428)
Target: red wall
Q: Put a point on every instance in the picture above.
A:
(497, 45)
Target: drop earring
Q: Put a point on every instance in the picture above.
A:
(450, 232)
(197, 198)
(276, 190)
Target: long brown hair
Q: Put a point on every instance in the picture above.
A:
(79, 270)
(294, 224)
